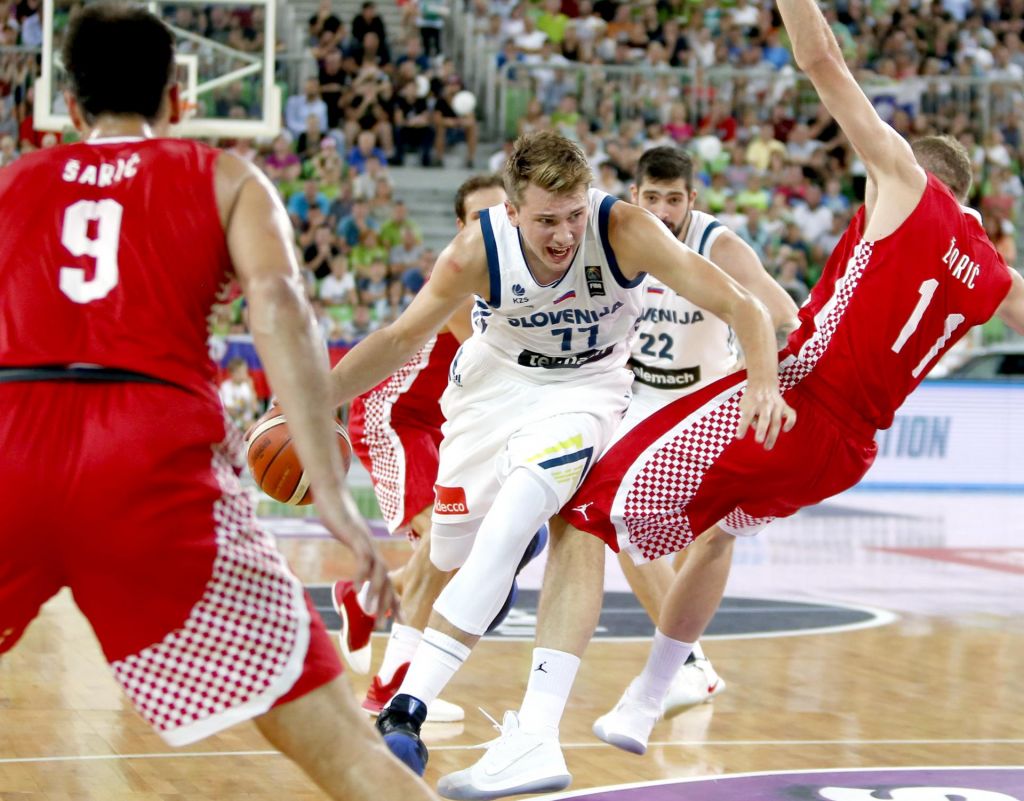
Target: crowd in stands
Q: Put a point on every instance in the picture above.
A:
(772, 164)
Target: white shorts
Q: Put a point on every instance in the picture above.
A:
(499, 421)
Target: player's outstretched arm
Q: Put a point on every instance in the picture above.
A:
(460, 271)
(259, 238)
(643, 244)
(815, 49)
(1011, 310)
(739, 261)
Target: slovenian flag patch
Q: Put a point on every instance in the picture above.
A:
(567, 296)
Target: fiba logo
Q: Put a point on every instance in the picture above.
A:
(519, 294)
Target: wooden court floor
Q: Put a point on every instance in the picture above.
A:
(933, 688)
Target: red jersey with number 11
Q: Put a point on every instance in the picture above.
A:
(112, 253)
(884, 312)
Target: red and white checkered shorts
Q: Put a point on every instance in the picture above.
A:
(682, 471)
(125, 493)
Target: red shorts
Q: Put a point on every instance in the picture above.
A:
(125, 493)
(682, 471)
(396, 432)
(400, 456)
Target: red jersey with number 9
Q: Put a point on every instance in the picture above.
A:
(112, 253)
(902, 302)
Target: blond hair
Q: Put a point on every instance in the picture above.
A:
(946, 159)
(547, 160)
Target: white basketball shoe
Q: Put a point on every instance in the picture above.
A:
(516, 762)
(628, 726)
(696, 682)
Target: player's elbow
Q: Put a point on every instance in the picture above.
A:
(276, 302)
(821, 61)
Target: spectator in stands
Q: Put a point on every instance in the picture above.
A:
(364, 185)
(300, 203)
(299, 107)
(789, 278)
(393, 228)
(552, 22)
(325, 322)
(413, 124)
(352, 227)
(324, 21)
(608, 180)
(496, 163)
(823, 245)
(761, 147)
(430, 20)
(361, 324)
(753, 195)
(321, 253)
(373, 289)
(282, 164)
(369, 21)
(451, 127)
(1001, 231)
(338, 288)
(327, 168)
(8, 150)
(369, 111)
(334, 80)
(413, 53)
(812, 216)
(238, 394)
(365, 146)
(366, 252)
(754, 232)
(307, 146)
(8, 122)
(341, 205)
(382, 204)
(405, 254)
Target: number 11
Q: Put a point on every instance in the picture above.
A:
(953, 321)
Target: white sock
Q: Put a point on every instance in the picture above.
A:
(437, 659)
(551, 678)
(666, 657)
(363, 596)
(400, 649)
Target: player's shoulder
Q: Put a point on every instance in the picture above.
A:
(472, 243)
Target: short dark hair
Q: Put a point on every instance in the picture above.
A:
(474, 184)
(665, 163)
(119, 59)
(946, 159)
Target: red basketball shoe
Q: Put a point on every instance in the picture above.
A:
(356, 627)
(378, 695)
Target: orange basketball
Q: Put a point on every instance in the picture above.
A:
(274, 463)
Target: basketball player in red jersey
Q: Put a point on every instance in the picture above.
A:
(913, 272)
(396, 432)
(113, 252)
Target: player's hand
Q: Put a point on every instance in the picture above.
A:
(765, 410)
(345, 523)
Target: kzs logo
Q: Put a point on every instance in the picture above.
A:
(519, 294)
(912, 794)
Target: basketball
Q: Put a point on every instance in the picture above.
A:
(274, 464)
(464, 103)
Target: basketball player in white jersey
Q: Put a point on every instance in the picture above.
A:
(679, 348)
(533, 397)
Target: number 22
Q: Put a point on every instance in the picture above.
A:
(103, 248)
(953, 321)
